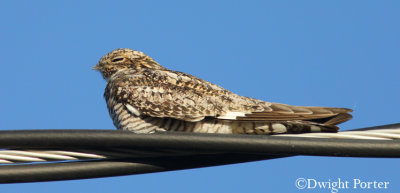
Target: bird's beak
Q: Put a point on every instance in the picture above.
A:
(96, 67)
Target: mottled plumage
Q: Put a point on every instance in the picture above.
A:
(144, 97)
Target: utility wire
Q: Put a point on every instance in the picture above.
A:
(48, 155)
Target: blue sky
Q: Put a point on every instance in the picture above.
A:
(320, 53)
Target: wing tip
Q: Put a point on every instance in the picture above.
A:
(339, 118)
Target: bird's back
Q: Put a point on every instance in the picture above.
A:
(175, 101)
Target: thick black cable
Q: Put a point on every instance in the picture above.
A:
(194, 142)
(200, 150)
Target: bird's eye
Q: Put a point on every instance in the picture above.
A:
(117, 59)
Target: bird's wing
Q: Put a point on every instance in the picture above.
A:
(165, 93)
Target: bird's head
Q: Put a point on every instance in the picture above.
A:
(124, 58)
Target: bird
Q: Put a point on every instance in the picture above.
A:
(144, 97)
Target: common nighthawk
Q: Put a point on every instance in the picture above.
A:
(144, 97)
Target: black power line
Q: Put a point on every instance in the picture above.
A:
(146, 153)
